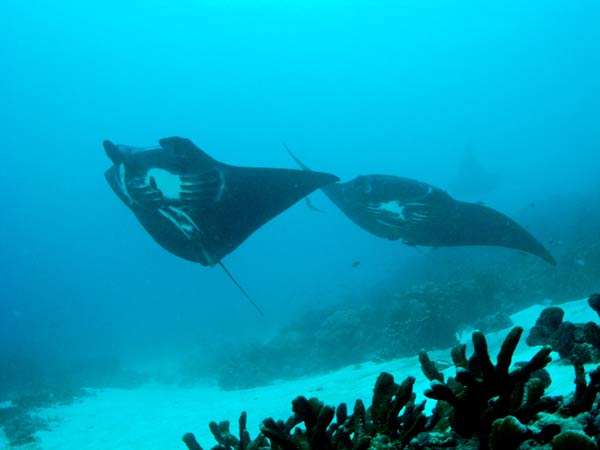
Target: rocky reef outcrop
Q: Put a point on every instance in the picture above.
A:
(400, 324)
(473, 290)
(577, 342)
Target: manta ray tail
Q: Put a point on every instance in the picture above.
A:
(241, 288)
(295, 158)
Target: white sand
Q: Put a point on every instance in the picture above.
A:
(155, 417)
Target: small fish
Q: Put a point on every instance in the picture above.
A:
(356, 264)
(580, 262)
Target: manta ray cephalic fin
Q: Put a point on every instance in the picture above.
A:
(184, 148)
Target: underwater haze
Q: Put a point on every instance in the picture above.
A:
(352, 87)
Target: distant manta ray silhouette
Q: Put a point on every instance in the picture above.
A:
(472, 179)
(196, 207)
(420, 214)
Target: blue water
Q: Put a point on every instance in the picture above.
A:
(352, 87)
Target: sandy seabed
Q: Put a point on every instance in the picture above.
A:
(155, 416)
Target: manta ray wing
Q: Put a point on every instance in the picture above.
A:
(251, 198)
(475, 224)
(449, 223)
(196, 207)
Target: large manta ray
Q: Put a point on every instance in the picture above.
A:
(196, 207)
(420, 214)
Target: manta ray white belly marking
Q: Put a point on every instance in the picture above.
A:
(392, 208)
(169, 184)
(173, 186)
(417, 216)
(184, 223)
(396, 215)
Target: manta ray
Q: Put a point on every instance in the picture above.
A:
(196, 207)
(420, 214)
(472, 178)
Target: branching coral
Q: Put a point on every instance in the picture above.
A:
(486, 406)
(485, 392)
(228, 441)
(382, 424)
(391, 421)
(585, 392)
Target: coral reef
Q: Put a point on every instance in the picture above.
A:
(484, 392)
(422, 314)
(485, 406)
(594, 302)
(400, 324)
(392, 421)
(226, 440)
(19, 419)
(570, 440)
(27, 385)
(545, 326)
(577, 342)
